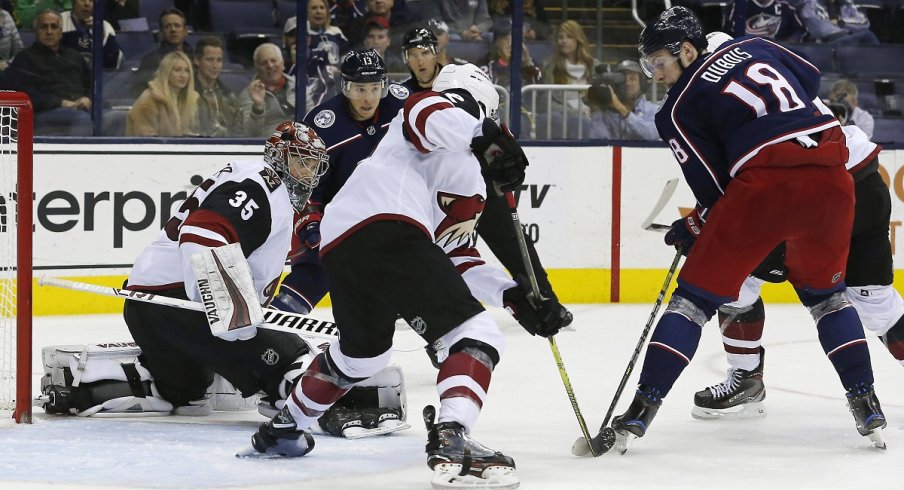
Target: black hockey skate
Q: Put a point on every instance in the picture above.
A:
(637, 419)
(740, 396)
(458, 461)
(868, 416)
(279, 438)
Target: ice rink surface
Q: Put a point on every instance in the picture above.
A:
(807, 441)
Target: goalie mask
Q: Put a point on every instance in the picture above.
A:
(299, 157)
(475, 82)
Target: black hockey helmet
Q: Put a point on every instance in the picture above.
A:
(419, 37)
(364, 67)
(669, 30)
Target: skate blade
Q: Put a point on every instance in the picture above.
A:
(446, 475)
(251, 453)
(384, 428)
(877, 438)
(623, 439)
(745, 411)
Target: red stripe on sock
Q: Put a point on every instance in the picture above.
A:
(897, 349)
(462, 391)
(733, 349)
(462, 364)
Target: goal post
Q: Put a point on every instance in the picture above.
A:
(16, 139)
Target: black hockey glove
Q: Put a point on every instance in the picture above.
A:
(544, 319)
(502, 161)
(684, 232)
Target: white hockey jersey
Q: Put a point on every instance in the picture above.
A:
(245, 202)
(423, 172)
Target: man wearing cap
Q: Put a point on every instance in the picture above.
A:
(623, 111)
(376, 37)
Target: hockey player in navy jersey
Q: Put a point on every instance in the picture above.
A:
(869, 276)
(398, 239)
(766, 163)
(351, 124)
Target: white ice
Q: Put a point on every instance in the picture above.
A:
(807, 440)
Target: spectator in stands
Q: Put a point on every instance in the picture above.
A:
(536, 24)
(844, 94)
(419, 52)
(290, 43)
(570, 64)
(25, 10)
(174, 30)
(217, 105)
(56, 78)
(619, 107)
(344, 12)
(468, 20)
(270, 98)
(441, 30)
(78, 34)
(323, 36)
(400, 20)
(496, 64)
(169, 106)
(801, 21)
(10, 42)
(377, 38)
(114, 10)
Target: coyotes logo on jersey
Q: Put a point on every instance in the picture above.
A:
(460, 222)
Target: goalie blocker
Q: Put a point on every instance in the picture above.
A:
(108, 380)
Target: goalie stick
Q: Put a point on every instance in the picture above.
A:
(283, 321)
(664, 197)
(535, 292)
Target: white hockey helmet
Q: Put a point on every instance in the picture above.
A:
(475, 81)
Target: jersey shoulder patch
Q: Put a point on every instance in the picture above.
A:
(271, 178)
(399, 91)
(325, 118)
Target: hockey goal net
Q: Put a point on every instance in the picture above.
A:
(16, 125)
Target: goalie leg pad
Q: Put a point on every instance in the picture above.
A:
(100, 380)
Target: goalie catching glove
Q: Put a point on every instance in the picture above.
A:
(502, 161)
(231, 303)
(545, 318)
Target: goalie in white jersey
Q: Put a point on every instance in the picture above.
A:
(398, 240)
(241, 217)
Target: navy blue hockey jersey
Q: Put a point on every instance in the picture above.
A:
(349, 141)
(726, 107)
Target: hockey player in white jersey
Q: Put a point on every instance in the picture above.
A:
(238, 222)
(398, 240)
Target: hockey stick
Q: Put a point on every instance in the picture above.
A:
(537, 298)
(282, 321)
(605, 439)
(667, 192)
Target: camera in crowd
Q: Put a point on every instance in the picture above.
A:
(598, 94)
(840, 107)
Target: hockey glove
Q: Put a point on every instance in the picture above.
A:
(544, 319)
(502, 161)
(684, 232)
(307, 228)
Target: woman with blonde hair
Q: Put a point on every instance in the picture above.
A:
(169, 106)
(570, 64)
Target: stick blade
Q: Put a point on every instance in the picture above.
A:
(596, 446)
(664, 197)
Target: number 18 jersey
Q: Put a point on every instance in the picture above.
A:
(726, 108)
